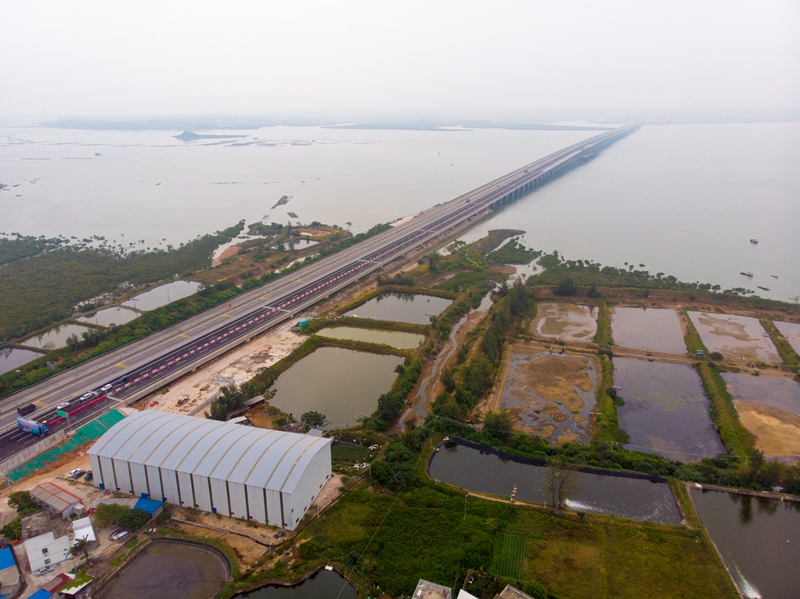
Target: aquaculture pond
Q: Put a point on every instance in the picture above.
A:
(398, 339)
(14, 357)
(551, 395)
(110, 316)
(790, 330)
(665, 410)
(759, 539)
(739, 336)
(484, 471)
(162, 295)
(323, 584)
(568, 322)
(402, 307)
(653, 329)
(343, 384)
(770, 409)
(56, 337)
(170, 569)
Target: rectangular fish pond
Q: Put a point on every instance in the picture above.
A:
(665, 410)
(398, 339)
(485, 470)
(758, 538)
(731, 335)
(790, 330)
(567, 322)
(342, 384)
(654, 329)
(402, 307)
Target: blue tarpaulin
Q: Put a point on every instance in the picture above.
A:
(6, 559)
(148, 505)
(40, 594)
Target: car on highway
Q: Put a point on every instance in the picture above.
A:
(65, 404)
(88, 396)
(76, 473)
(118, 535)
(107, 388)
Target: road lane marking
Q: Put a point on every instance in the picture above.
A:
(184, 336)
(121, 365)
(226, 315)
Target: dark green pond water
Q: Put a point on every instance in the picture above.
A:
(324, 584)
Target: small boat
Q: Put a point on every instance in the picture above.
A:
(747, 274)
(774, 276)
(754, 241)
(763, 288)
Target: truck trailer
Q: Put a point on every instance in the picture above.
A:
(33, 427)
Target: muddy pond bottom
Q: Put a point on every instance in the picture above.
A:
(770, 409)
(402, 307)
(342, 384)
(492, 472)
(551, 395)
(169, 569)
(398, 339)
(323, 584)
(740, 336)
(654, 329)
(568, 322)
(759, 540)
(665, 410)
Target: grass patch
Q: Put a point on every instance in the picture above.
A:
(510, 556)
(785, 349)
(603, 335)
(341, 452)
(692, 337)
(606, 422)
(737, 439)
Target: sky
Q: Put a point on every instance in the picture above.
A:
(378, 60)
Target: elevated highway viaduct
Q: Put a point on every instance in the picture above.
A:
(145, 365)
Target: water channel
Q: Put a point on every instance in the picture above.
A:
(402, 307)
(162, 295)
(170, 569)
(398, 339)
(342, 384)
(323, 584)
(759, 539)
(635, 497)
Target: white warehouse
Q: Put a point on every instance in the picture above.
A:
(241, 471)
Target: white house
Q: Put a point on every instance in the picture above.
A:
(46, 549)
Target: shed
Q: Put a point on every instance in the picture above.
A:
(9, 573)
(41, 594)
(83, 531)
(56, 499)
(264, 475)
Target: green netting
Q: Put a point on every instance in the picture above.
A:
(85, 434)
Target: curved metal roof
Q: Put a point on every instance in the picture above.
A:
(257, 457)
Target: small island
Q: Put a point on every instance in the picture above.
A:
(191, 136)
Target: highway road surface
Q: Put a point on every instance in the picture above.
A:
(141, 367)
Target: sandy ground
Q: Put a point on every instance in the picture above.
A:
(777, 431)
(739, 336)
(568, 322)
(238, 365)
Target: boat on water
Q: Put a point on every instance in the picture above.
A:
(774, 276)
(754, 241)
(747, 274)
(763, 288)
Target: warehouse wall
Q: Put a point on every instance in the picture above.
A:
(314, 478)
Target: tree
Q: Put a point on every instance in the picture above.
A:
(566, 287)
(107, 514)
(23, 502)
(448, 379)
(593, 292)
(560, 482)
(12, 530)
(433, 261)
(231, 399)
(133, 519)
(498, 424)
(312, 419)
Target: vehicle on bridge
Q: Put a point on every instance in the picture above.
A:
(33, 427)
(25, 410)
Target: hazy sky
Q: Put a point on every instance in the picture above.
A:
(492, 59)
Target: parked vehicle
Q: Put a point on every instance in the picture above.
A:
(76, 473)
(89, 476)
(25, 410)
(33, 427)
(44, 570)
(118, 535)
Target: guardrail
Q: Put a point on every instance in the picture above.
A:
(32, 451)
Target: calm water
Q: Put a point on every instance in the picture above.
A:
(402, 307)
(759, 539)
(342, 384)
(110, 316)
(14, 357)
(740, 336)
(681, 199)
(568, 322)
(778, 393)
(333, 176)
(170, 570)
(324, 584)
(398, 339)
(665, 410)
(790, 330)
(162, 295)
(55, 337)
(654, 329)
(638, 499)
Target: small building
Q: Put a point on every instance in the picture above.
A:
(246, 472)
(9, 573)
(431, 590)
(512, 593)
(41, 594)
(47, 549)
(83, 531)
(56, 499)
(55, 584)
